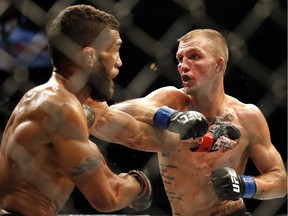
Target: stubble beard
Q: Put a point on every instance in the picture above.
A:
(101, 86)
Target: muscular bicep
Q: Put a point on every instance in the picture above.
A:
(141, 109)
(144, 108)
(261, 150)
(80, 159)
(71, 139)
(266, 158)
(119, 127)
(272, 183)
(86, 168)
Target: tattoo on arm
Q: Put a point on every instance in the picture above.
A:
(149, 118)
(89, 164)
(90, 115)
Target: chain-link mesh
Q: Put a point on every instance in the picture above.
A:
(256, 33)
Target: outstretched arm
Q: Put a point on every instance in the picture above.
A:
(118, 127)
(84, 164)
(113, 125)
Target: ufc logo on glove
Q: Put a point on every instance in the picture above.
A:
(189, 116)
(235, 182)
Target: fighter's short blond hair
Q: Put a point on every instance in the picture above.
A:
(218, 42)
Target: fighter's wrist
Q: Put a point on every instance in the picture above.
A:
(137, 175)
(249, 186)
(162, 116)
(144, 198)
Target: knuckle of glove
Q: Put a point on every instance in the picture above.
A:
(225, 129)
(232, 131)
(201, 127)
(189, 124)
(226, 184)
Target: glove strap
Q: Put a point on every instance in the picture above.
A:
(143, 182)
(162, 116)
(250, 186)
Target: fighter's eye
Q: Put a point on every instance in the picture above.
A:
(179, 59)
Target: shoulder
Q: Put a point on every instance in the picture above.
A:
(166, 90)
(56, 108)
(248, 114)
(169, 96)
(246, 109)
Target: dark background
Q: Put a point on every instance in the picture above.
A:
(256, 32)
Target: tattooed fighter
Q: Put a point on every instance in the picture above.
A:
(188, 176)
(45, 150)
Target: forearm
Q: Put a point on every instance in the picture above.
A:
(271, 185)
(159, 140)
(127, 191)
(115, 192)
(142, 111)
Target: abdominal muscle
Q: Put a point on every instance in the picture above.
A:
(185, 176)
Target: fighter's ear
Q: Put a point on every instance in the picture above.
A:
(220, 64)
(88, 54)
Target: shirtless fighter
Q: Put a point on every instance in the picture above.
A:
(191, 189)
(45, 148)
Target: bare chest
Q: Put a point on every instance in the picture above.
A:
(186, 177)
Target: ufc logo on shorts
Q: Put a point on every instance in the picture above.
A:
(235, 182)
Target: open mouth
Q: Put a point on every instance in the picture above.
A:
(186, 78)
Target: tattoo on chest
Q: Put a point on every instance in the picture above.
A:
(90, 115)
(89, 164)
(228, 117)
(172, 196)
(165, 169)
(169, 180)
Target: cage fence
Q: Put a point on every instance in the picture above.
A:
(256, 32)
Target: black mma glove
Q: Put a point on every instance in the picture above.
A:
(218, 138)
(188, 124)
(230, 186)
(144, 199)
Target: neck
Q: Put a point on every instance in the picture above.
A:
(73, 84)
(211, 105)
